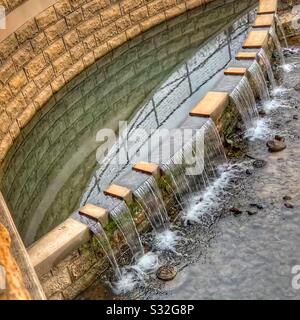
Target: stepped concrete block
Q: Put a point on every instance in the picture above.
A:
(95, 213)
(147, 168)
(57, 245)
(235, 71)
(264, 20)
(267, 6)
(119, 192)
(212, 105)
(243, 55)
(256, 39)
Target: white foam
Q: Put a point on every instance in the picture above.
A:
(213, 194)
(135, 275)
(288, 67)
(260, 130)
(167, 240)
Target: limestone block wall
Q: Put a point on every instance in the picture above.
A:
(103, 93)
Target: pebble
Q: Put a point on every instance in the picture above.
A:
(167, 273)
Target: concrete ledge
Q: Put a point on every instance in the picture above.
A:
(263, 21)
(211, 106)
(57, 245)
(267, 6)
(147, 168)
(235, 71)
(256, 39)
(95, 213)
(119, 192)
(243, 55)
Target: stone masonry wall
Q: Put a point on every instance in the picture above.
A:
(58, 44)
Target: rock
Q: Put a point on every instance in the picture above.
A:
(166, 273)
(297, 87)
(287, 198)
(256, 205)
(279, 138)
(276, 145)
(295, 117)
(289, 205)
(252, 213)
(248, 172)
(259, 163)
(236, 211)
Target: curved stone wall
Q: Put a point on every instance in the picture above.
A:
(47, 157)
(59, 43)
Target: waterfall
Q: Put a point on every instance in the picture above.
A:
(149, 197)
(123, 219)
(266, 61)
(280, 26)
(101, 237)
(244, 100)
(209, 152)
(259, 80)
(277, 45)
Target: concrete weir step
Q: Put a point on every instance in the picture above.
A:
(244, 55)
(119, 192)
(256, 39)
(95, 213)
(267, 6)
(147, 168)
(212, 105)
(235, 71)
(264, 21)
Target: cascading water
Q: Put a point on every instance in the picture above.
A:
(149, 197)
(209, 151)
(244, 100)
(280, 26)
(258, 78)
(266, 61)
(277, 45)
(101, 237)
(123, 219)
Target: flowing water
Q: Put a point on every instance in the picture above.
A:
(244, 100)
(266, 61)
(122, 217)
(281, 28)
(101, 237)
(277, 45)
(259, 81)
(151, 201)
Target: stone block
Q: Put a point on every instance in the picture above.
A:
(62, 63)
(62, 7)
(96, 213)
(74, 18)
(56, 30)
(17, 82)
(55, 50)
(212, 105)
(244, 55)
(111, 14)
(35, 66)
(129, 5)
(57, 245)
(23, 56)
(27, 32)
(46, 18)
(6, 71)
(89, 27)
(147, 168)
(256, 39)
(119, 192)
(235, 71)
(264, 20)
(267, 6)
